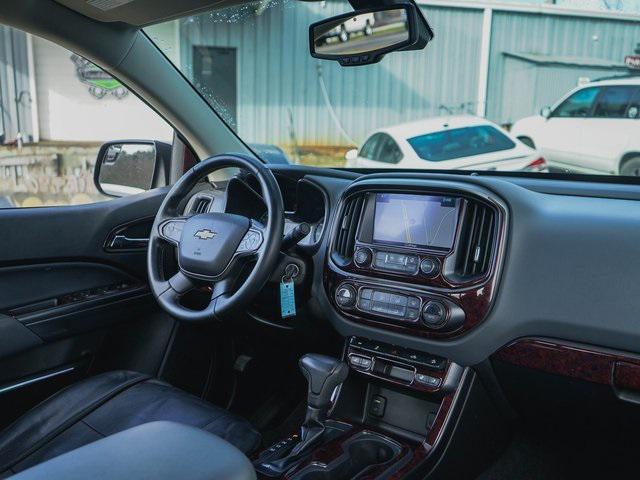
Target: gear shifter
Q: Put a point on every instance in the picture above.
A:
(324, 374)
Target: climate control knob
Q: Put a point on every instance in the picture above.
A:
(346, 296)
(362, 257)
(434, 314)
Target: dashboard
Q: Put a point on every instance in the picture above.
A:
(459, 265)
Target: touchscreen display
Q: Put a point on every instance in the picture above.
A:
(415, 220)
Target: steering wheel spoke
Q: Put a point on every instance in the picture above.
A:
(171, 230)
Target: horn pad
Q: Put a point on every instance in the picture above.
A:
(209, 241)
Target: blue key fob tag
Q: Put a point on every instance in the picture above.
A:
(287, 298)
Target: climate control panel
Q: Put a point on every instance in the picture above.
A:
(426, 311)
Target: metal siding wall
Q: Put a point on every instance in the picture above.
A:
(277, 79)
(14, 85)
(550, 35)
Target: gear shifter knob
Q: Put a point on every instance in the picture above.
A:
(324, 374)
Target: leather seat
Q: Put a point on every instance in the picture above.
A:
(106, 404)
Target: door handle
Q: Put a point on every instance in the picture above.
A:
(122, 242)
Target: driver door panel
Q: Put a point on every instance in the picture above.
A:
(63, 290)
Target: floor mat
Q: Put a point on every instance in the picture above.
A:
(526, 458)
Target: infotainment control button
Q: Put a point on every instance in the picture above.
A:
(362, 257)
(396, 262)
(429, 267)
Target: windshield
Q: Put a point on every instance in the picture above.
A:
(487, 93)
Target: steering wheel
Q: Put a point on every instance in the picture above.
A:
(213, 248)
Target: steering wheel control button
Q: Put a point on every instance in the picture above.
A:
(172, 230)
(427, 380)
(250, 242)
(346, 296)
(429, 267)
(362, 257)
(434, 314)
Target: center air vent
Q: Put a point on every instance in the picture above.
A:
(477, 239)
(201, 205)
(345, 238)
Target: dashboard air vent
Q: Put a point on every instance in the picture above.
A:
(346, 234)
(476, 241)
(201, 205)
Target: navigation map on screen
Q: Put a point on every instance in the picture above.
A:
(420, 220)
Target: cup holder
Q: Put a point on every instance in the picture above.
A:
(362, 452)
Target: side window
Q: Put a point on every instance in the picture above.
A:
(577, 105)
(633, 111)
(613, 102)
(370, 148)
(389, 150)
(58, 109)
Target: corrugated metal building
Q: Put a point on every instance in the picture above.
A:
(16, 87)
(567, 47)
(502, 61)
(505, 61)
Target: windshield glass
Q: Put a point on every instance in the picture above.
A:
(525, 86)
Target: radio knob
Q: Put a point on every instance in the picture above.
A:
(434, 314)
(429, 267)
(362, 257)
(346, 296)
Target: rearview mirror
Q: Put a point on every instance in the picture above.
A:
(131, 166)
(365, 36)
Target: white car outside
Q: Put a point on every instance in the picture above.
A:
(446, 143)
(595, 128)
(359, 23)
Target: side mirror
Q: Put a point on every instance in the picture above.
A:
(128, 167)
(365, 36)
(545, 112)
(351, 154)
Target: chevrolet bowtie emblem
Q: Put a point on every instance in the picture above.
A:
(204, 234)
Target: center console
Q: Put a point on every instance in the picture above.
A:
(396, 415)
(371, 426)
(415, 260)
